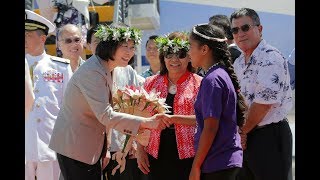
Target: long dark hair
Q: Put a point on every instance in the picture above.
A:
(205, 34)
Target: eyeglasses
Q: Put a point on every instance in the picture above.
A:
(180, 55)
(244, 28)
(77, 40)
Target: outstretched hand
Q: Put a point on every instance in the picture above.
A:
(153, 123)
(165, 118)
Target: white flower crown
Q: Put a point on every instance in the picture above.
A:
(164, 44)
(107, 33)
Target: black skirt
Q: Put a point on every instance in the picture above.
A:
(168, 165)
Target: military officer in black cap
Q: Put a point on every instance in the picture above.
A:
(49, 75)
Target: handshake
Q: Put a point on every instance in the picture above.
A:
(162, 121)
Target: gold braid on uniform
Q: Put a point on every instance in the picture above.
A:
(34, 25)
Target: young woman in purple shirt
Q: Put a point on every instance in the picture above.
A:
(219, 108)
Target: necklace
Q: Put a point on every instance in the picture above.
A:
(215, 64)
(172, 87)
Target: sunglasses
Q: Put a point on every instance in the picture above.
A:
(244, 28)
(180, 55)
(69, 40)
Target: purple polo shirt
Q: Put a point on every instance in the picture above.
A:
(217, 99)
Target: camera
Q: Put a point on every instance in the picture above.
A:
(62, 8)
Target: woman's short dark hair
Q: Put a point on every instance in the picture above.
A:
(163, 68)
(107, 49)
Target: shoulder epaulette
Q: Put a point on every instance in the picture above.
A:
(59, 59)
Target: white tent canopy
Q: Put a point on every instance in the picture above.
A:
(286, 7)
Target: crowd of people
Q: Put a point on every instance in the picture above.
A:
(228, 92)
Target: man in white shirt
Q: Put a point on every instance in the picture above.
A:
(265, 83)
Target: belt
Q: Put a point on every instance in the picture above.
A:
(273, 123)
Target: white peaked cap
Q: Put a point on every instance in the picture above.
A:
(34, 21)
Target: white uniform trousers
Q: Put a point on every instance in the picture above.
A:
(46, 170)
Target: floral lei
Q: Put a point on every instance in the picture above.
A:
(107, 33)
(164, 44)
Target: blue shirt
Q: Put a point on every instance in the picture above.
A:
(217, 99)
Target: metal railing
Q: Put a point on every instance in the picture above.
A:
(121, 11)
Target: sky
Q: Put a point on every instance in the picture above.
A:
(278, 29)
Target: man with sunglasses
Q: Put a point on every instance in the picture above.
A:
(49, 75)
(265, 83)
(70, 42)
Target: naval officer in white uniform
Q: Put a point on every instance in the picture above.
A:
(49, 75)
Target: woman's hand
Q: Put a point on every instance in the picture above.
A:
(165, 118)
(142, 159)
(153, 123)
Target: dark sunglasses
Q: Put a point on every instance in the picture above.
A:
(244, 28)
(69, 40)
(180, 55)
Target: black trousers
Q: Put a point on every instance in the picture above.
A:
(269, 153)
(75, 170)
(226, 174)
(72, 169)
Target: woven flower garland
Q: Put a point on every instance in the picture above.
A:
(165, 44)
(108, 33)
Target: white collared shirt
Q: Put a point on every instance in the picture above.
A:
(265, 80)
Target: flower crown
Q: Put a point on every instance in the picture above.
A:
(164, 44)
(107, 33)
